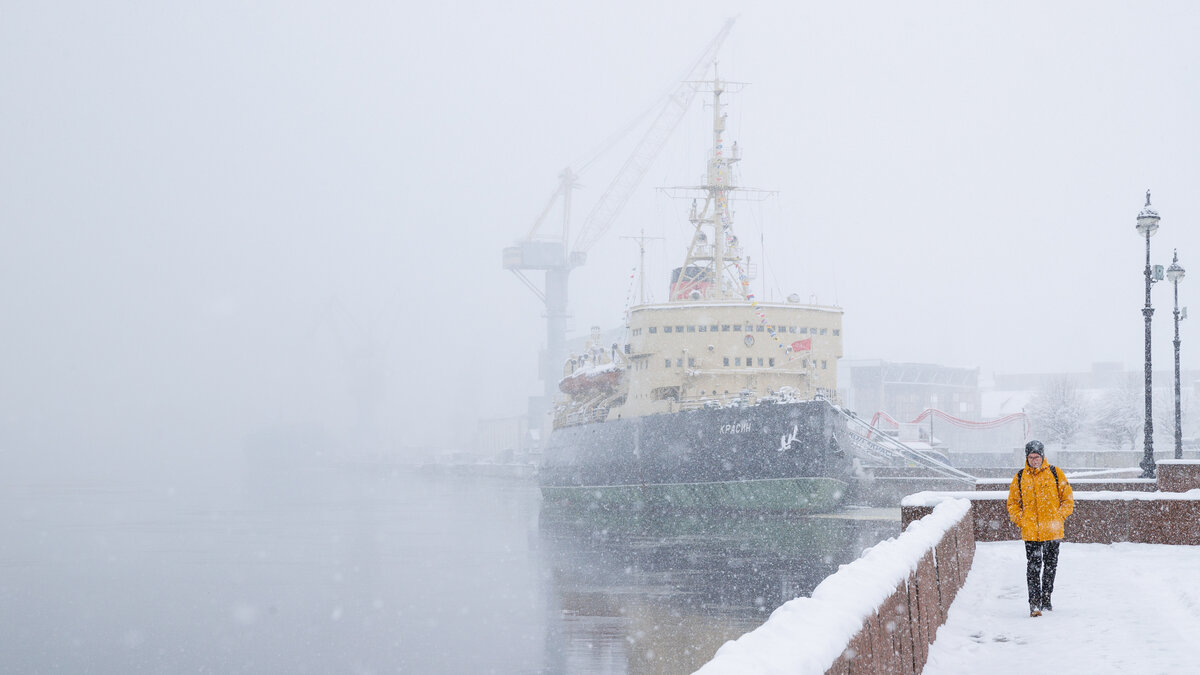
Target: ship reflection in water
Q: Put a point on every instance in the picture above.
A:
(662, 592)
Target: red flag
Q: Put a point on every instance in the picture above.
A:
(804, 345)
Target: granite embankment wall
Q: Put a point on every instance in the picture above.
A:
(879, 614)
(1162, 511)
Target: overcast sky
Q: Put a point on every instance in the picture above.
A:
(222, 218)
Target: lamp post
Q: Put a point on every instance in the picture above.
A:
(1147, 225)
(1175, 274)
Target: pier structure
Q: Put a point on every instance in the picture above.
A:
(948, 594)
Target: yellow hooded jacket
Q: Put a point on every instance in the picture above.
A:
(1039, 504)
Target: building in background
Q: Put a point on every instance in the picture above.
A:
(505, 440)
(905, 390)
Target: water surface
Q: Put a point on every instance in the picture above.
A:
(380, 570)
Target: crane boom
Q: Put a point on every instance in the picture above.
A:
(554, 254)
(610, 204)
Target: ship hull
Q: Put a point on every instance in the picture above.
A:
(771, 456)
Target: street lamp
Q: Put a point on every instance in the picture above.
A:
(1175, 274)
(1147, 225)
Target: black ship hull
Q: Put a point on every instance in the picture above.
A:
(770, 456)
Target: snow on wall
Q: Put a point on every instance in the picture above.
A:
(807, 635)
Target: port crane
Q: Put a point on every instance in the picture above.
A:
(556, 254)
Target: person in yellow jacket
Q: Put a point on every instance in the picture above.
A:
(1039, 501)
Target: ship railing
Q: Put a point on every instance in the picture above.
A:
(827, 394)
(576, 417)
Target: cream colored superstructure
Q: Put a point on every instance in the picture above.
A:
(690, 354)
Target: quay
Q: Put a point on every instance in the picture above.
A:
(948, 594)
(1118, 608)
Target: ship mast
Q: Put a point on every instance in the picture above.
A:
(714, 269)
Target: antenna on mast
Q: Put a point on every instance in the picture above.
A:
(641, 240)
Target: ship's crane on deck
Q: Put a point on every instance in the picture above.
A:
(556, 255)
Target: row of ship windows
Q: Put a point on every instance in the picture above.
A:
(737, 362)
(738, 328)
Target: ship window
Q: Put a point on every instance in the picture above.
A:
(791, 329)
(678, 329)
(771, 361)
(653, 329)
(679, 362)
(837, 331)
(691, 329)
(713, 328)
(668, 363)
(760, 328)
(725, 328)
(824, 365)
(803, 330)
(822, 331)
(666, 329)
(737, 329)
(737, 361)
(726, 360)
(703, 329)
(760, 361)
(691, 362)
(804, 363)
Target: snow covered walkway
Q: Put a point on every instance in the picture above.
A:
(1118, 608)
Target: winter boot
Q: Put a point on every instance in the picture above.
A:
(1034, 611)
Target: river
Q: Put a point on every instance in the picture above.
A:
(382, 570)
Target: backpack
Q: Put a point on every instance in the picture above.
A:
(1021, 473)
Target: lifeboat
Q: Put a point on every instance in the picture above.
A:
(588, 380)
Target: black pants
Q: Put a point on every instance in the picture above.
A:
(1041, 558)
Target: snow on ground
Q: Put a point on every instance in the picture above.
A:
(1118, 608)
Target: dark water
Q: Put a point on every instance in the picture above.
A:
(353, 570)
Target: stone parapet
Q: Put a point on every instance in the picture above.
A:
(1099, 517)
(896, 637)
(1178, 475)
(878, 614)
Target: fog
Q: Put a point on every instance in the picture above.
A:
(221, 220)
(234, 234)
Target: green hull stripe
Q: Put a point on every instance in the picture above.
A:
(777, 494)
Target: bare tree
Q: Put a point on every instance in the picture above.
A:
(1164, 415)
(1119, 416)
(1058, 411)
